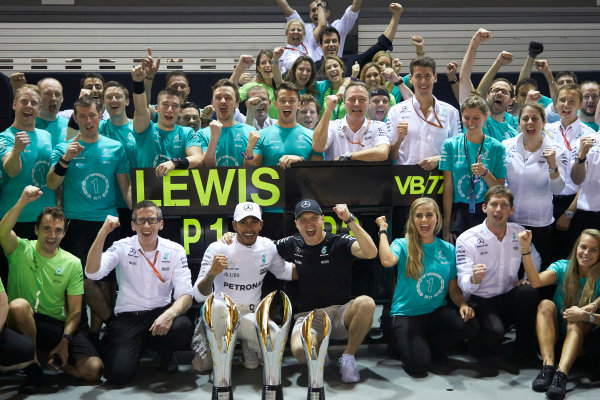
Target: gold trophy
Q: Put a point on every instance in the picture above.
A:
(272, 344)
(315, 354)
(221, 332)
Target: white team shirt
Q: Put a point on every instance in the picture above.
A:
(479, 245)
(589, 198)
(267, 123)
(343, 25)
(341, 139)
(67, 114)
(290, 53)
(528, 178)
(571, 134)
(423, 139)
(139, 287)
(246, 268)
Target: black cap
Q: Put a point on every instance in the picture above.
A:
(307, 205)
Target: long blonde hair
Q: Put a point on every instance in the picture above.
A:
(414, 259)
(572, 285)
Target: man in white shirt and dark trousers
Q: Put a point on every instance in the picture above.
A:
(150, 270)
(488, 258)
(585, 170)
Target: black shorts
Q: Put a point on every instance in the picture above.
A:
(49, 333)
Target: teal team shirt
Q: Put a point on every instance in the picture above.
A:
(560, 267)
(513, 120)
(499, 130)
(155, 146)
(232, 143)
(396, 92)
(123, 134)
(592, 125)
(423, 296)
(545, 101)
(57, 128)
(90, 183)
(454, 160)
(35, 164)
(275, 142)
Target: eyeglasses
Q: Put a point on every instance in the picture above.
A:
(142, 221)
(499, 90)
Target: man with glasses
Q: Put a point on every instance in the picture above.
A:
(354, 137)
(150, 271)
(430, 121)
(488, 257)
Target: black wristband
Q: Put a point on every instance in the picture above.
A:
(72, 123)
(381, 232)
(59, 169)
(138, 87)
(453, 82)
(399, 83)
(67, 336)
(181, 163)
(64, 161)
(525, 254)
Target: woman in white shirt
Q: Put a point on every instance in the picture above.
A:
(535, 171)
(294, 48)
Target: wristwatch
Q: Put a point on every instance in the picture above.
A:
(346, 156)
(592, 318)
(553, 170)
(351, 218)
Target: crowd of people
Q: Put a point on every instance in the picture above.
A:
(521, 194)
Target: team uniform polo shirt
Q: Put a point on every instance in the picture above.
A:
(592, 125)
(529, 180)
(341, 139)
(155, 146)
(499, 130)
(123, 134)
(343, 25)
(43, 281)
(290, 54)
(140, 289)
(479, 245)
(423, 139)
(35, 164)
(246, 268)
(513, 120)
(275, 142)
(232, 143)
(560, 268)
(455, 160)
(90, 182)
(423, 296)
(324, 270)
(571, 133)
(57, 128)
(589, 198)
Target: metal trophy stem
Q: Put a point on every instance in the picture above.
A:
(272, 344)
(315, 354)
(221, 320)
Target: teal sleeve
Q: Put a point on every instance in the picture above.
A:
(123, 165)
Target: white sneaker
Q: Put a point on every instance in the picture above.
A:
(200, 364)
(251, 359)
(348, 369)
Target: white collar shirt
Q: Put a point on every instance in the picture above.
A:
(502, 258)
(246, 269)
(566, 137)
(267, 123)
(343, 25)
(424, 139)
(341, 139)
(528, 178)
(140, 289)
(290, 54)
(589, 198)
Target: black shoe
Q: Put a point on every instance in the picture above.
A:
(33, 379)
(543, 380)
(168, 364)
(558, 388)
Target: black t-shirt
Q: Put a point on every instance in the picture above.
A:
(324, 270)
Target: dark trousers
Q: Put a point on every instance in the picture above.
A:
(562, 240)
(128, 333)
(585, 220)
(415, 338)
(497, 314)
(15, 348)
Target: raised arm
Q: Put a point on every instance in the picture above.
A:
(210, 158)
(277, 79)
(8, 238)
(57, 173)
(386, 257)
(536, 279)
(243, 64)
(535, 49)
(451, 70)
(418, 42)
(94, 256)
(285, 7)
(542, 66)
(321, 131)
(252, 159)
(503, 58)
(465, 86)
(141, 115)
(150, 67)
(390, 30)
(12, 160)
(16, 81)
(578, 169)
(364, 247)
(321, 21)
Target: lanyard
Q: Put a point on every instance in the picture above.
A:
(359, 140)
(562, 131)
(152, 264)
(474, 179)
(438, 125)
(303, 52)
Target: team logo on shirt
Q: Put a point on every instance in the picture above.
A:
(165, 256)
(430, 285)
(131, 252)
(95, 186)
(59, 270)
(159, 159)
(481, 243)
(264, 258)
(38, 174)
(324, 250)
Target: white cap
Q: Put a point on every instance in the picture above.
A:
(247, 209)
